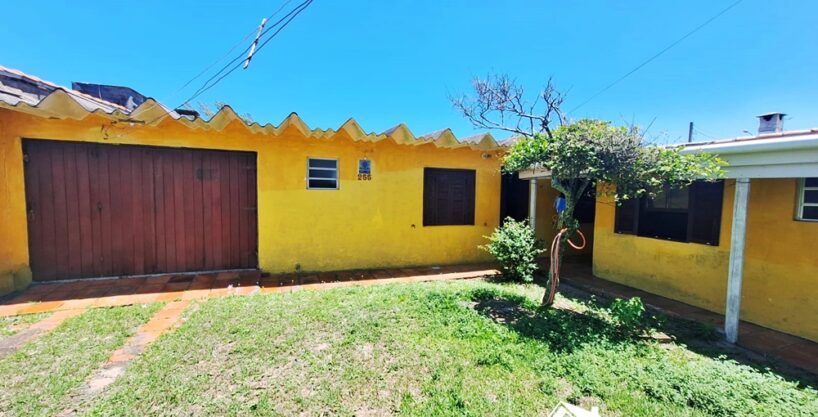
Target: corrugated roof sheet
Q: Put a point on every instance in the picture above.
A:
(32, 90)
(29, 94)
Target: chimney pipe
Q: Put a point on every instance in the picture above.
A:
(771, 123)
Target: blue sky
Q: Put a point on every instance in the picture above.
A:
(385, 62)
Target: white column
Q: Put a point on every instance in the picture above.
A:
(736, 270)
(532, 203)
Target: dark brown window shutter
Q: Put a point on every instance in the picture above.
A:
(627, 217)
(429, 198)
(468, 211)
(704, 218)
(448, 196)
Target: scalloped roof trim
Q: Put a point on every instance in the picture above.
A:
(63, 104)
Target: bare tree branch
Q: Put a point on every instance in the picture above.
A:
(499, 103)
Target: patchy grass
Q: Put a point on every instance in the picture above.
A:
(447, 348)
(36, 379)
(9, 326)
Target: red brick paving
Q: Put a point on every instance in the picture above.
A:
(71, 299)
(162, 321)
(80, 295)
(60, 296)
(12, 343)
(179, 291)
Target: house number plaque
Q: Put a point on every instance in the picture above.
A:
(364, 170)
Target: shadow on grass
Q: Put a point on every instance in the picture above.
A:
(565, 331)
(561, 330)
(701, 338)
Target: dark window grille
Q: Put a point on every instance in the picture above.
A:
(448, 196)
(690, 214)
(322, 174)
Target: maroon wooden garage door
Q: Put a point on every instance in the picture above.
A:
(106, 210)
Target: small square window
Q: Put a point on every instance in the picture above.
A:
(807, 208)
(322, 174)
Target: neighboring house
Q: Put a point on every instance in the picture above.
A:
(124, 96)
(91, 187)
(757, 229)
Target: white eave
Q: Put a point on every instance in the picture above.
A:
(532, 173)
(776, 156)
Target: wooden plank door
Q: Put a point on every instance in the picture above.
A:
(109, 210)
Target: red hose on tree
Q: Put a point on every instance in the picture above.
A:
(556, 259)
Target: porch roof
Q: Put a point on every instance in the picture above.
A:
(791, 154)
(778, 155)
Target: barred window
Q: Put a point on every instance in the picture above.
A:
(690, 214)
(322, 174)
(807, 208)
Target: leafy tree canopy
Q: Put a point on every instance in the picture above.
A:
(588, 152)
(580, 155)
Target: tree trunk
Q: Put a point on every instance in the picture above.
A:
(565, 220)
(548, 298)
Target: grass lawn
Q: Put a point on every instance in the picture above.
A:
(467, 348)
(37, 379)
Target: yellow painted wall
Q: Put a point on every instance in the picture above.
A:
(365, 224)
(780, 288)
(13, 233)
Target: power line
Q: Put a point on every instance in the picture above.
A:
(225, 55)
(207, 68)
(657, 55)
(703, 134)
(210, 83)
(303, 5)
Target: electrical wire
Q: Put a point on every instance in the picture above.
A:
(242, 56)
(212, 81)
(703, 134)
(657, 55)
(225, 55)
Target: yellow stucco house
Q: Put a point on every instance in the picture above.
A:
(746, 247)
(118, 185)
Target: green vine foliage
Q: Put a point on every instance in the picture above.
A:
(590, 152)
(587, 153)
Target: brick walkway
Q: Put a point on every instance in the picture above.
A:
(12, 343)
(83, 294)
(768, 343)
(168, 318)
(68, 299)
(77, 296)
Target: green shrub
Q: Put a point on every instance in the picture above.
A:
(516, 249)
(628, 313)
